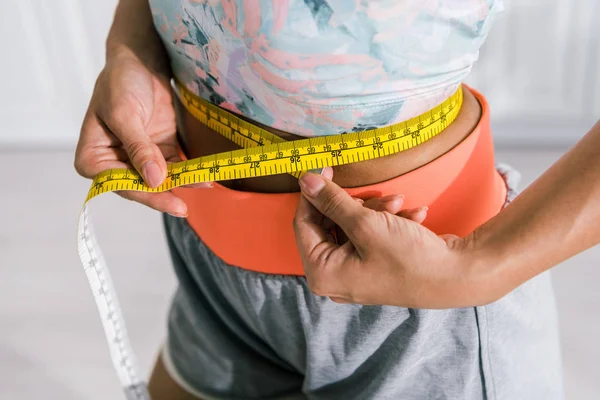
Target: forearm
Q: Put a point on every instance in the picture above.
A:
(133, 34)
(555, 218)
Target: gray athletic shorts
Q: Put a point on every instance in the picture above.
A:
(238, 334)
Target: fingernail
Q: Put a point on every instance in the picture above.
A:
(311, 184)
(202, 185)
(178, 215)
(422, 213)
(152, 174)
(392, 197)
(327, 172)
(360, 201)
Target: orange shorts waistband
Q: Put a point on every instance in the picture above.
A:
(254, 230)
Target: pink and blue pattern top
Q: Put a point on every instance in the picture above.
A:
(323, 67)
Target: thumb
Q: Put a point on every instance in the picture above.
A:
(450, 239)
(128, 126)
(332, 201)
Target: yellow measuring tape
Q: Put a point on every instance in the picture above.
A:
(264, 153)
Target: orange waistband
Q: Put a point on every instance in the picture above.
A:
(254, 230)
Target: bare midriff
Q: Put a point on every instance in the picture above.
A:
(199, 140)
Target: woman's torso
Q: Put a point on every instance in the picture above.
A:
(314, 67)
(199, 140)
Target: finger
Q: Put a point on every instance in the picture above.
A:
(340, 235)
(451, 240)
(94, 152)
(392, 204)
(340, 300)
(333, 202)
(331, 238)
(124, 119)
(328, 225)
(170, 151)
(200, 185)
(312, 240)
(417, 215)
(164, 202)
(91, 163)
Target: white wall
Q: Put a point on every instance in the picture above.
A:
(52, 52)
(539, 69)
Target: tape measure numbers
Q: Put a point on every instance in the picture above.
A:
(263, 154)
(266, 154)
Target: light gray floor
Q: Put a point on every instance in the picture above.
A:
(51, 341)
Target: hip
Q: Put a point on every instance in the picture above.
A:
(253, 230)
(199, 140)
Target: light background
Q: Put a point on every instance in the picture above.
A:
(540, 70)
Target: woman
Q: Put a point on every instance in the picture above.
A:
(244, 322)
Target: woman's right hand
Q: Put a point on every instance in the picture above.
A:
(130, 121)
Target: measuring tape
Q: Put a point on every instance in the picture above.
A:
(266, 154)
(263, 154)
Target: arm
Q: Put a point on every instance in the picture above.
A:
(556, 217)
(133, 34)
(391, 260)
(130, 119)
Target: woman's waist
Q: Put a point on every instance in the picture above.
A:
(199, 140)
(254, 230)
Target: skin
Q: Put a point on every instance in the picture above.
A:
(131, 121)
(393, 261)
(383, 255)
(199, 140)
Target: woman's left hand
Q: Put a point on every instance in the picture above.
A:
(387, 259)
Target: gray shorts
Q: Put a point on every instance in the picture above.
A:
(238, 334)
